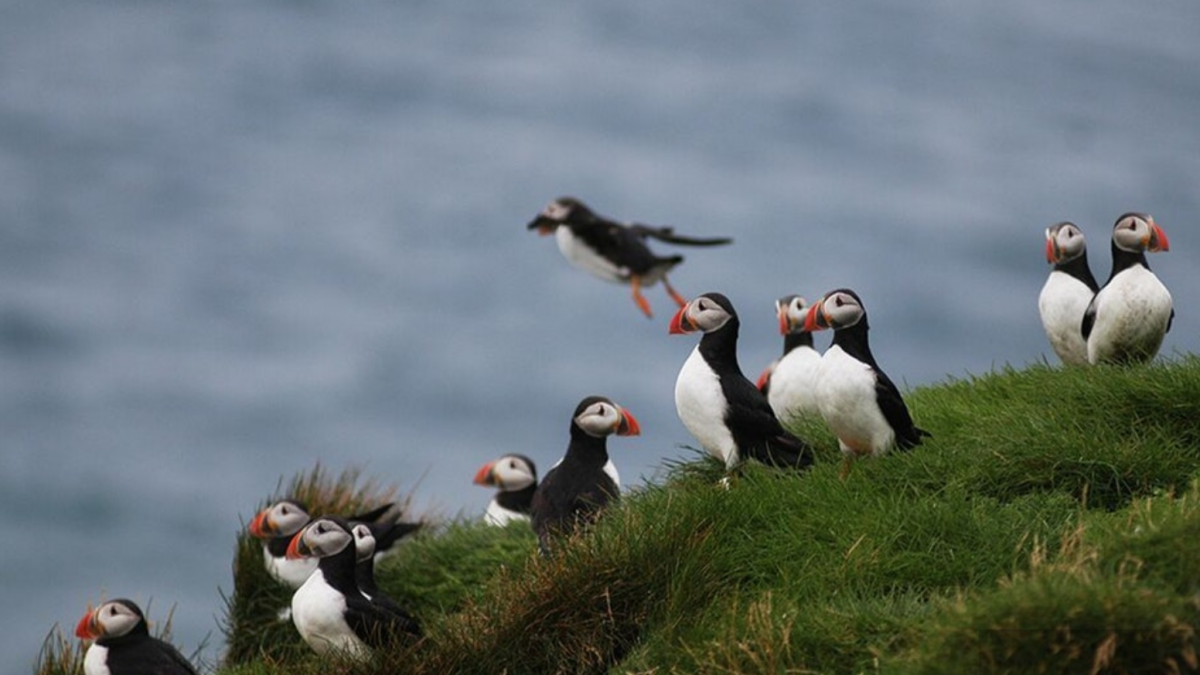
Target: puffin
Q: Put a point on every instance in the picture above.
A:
(614, 251)
(515, 478)
(859, 402)
(580, 485)
(724, 411)
(790, 382)
(1129, 316)
(364, 571)
(277, 524)
(329, 610)
(122, 644)
(1067, 292)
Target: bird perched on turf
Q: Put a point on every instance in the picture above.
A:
(515, 479)
(582, 483)
(329, 610)
(790, 383)
(1129, 316)
(279, 522)
(724, 411)
(122, 644)
(1067, 292)
(364, 572)
(858, 400)
(614, 251)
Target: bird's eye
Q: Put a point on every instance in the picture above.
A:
(512, 464)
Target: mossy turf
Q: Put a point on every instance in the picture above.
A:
(1049, 525)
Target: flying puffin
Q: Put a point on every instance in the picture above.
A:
(279, 522)
(725, 412)
(123, 644)
(790, 382)
(364, 571)
(580, 485)
(515, 477)
(1130, 314)
(857, 399)
(614, 251)
(1067, 292)
(330, 611)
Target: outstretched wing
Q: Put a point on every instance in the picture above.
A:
(668, 235)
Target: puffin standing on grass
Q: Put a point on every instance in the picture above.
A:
(614, 251)
(330, 611)
(364, 572)
(277, 524)
(724, 411)
(857, 399)
(1067, 292)
(790, 383)
(1129, 316)
(123, 644)
(515, 478)
(582, 484)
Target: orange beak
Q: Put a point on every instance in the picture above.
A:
(87, 629)
(260, 527)
(815, 319)
(1051, 249)
(628, 426)
(763, 379)
(1158, 239)
(485, 475)
(296, 548)
(680, 323)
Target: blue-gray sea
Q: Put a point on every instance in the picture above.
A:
(240, 238)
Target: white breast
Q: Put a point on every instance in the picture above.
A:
(582, 256)
(793, 391)
(499, 516)
(292, 573)
(95, 662)
(846, 392)
(1061, 304)
(317, 612)
(701, 406)
(1132, 313)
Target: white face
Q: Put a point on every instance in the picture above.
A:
(600, 419)
(792, 311)
(706, 315)
(513, 473)
(286, 518)
(364, 541)
(1067, 240)
(842, 310)
(325, 538)
(114, 619)
(1134, 232)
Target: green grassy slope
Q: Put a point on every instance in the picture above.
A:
(1050, 525)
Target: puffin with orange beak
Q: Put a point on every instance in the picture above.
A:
(1067, 292)
(329, 610)
(1132, 313)
(724, 411)
(515, 478)
(584, 481)
(790, 383)
(279, 522)
(614, 251)
(122, 644)
(859, 402)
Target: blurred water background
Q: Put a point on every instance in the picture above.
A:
(240, 238)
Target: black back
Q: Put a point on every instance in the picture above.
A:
(577, 489)
(853, 340)
(139, 653)
(755, 429)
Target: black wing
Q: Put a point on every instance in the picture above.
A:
(375, 626)
(560, 503)
(668, 235)
(1089, 318)
(148, 655)
(758, 433)
(908, 435)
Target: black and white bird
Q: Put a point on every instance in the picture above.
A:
(614, 251)
(582, 483)
(859, 402)
(122, 644)
(1067, 292)
(277, 524)
(515, 479)
(329, 610)
(364, 571)
(1129, 316)
(790, 382)
(724, 411)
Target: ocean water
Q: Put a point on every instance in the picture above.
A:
(240, 238)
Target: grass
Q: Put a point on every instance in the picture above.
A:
(1050, 525)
